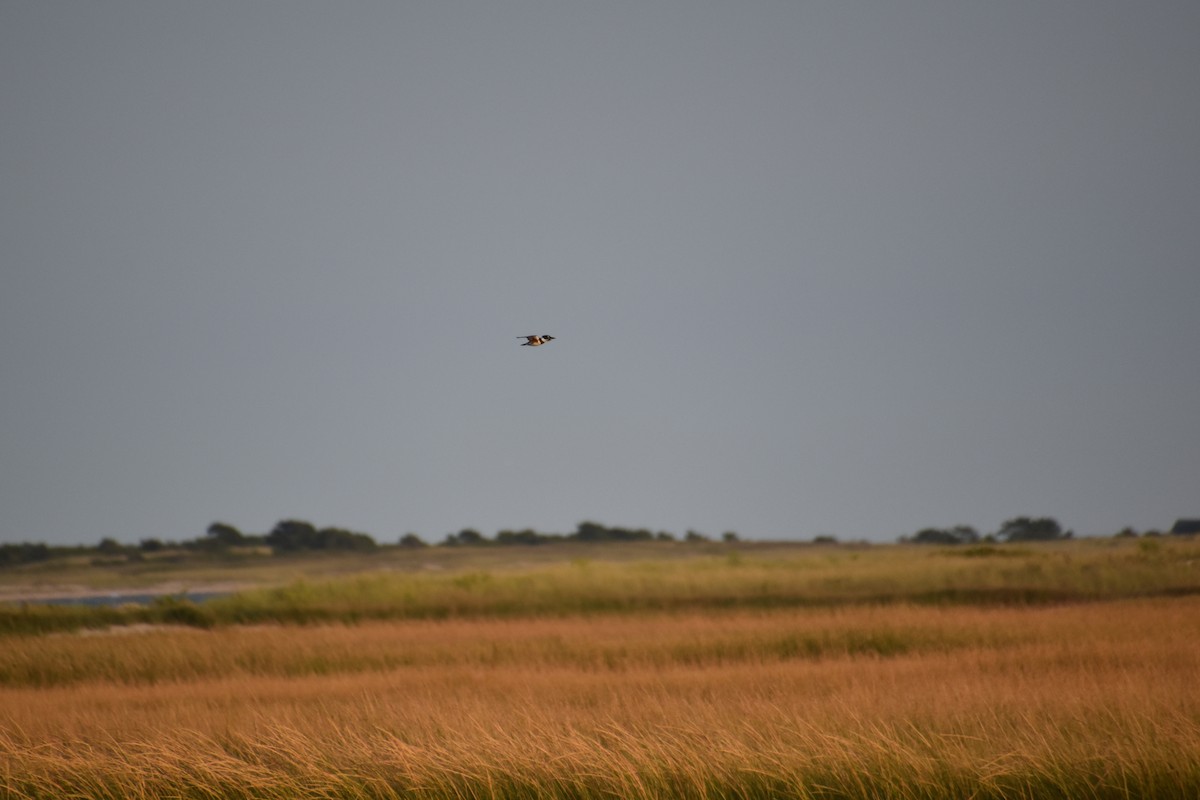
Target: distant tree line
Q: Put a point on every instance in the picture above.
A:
(291, 535)
(584, 532)
(1028, 529)
(24, 553)
(220, 538)
(288, 535)
(959, 534)
(1017, 529)
(297, 536)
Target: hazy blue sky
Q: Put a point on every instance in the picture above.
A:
(815, 267)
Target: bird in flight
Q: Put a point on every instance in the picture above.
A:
(535, 340)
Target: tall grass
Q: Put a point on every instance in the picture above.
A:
(1068, 572)
(899, 672)
(1077, 571)
(1092, 700)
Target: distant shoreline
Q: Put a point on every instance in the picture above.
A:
(75, 594)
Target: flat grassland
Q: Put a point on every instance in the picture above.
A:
(1063, 670)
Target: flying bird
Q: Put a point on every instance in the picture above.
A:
(535, 340)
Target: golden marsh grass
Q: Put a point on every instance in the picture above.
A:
(852, 700)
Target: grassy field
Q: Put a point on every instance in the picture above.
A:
(1060, 671)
